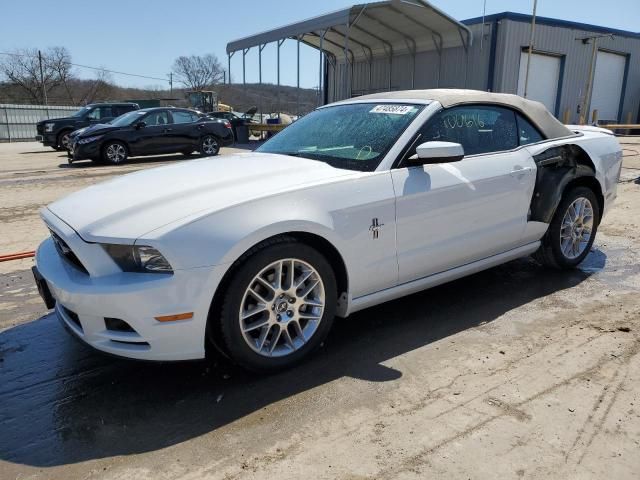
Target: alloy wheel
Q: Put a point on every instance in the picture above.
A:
(576, 228)
(282, 307)
(116, 153)
(64, 141)
(210, 145)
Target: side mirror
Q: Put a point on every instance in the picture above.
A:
(437, 152)
(140, 125)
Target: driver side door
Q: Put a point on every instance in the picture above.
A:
(452, 214)
(155, 136)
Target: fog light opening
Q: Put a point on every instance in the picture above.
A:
(118, 325)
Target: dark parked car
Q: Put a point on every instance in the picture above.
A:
(151, 131)
(55, 132)
(235, 119)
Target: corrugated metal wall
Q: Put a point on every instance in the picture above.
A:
(513, 36)
(456, 68)
(18, 122)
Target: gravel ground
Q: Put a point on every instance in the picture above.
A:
(516, 372)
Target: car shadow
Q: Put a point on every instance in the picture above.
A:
(132, 161)
(40, 151)
(63, 403)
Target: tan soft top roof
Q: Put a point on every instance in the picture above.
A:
(535, 111)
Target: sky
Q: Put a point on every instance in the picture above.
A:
(145, 36)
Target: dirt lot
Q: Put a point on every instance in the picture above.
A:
(516, 372)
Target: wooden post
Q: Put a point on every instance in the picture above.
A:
(594, 116)
(566, 117)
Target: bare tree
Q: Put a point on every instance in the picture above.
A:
(22, 68)
(100, 89)
(198, 72)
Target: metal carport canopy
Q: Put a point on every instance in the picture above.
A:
(370, 30)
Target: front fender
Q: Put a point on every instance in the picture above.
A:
(222, 237)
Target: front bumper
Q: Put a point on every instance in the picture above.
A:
(83, 302)
(84, 151)
(47, 139)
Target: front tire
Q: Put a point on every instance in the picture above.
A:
(572, 230)
(209, 145)
(114, 153)
(278, 307)
(63, 141)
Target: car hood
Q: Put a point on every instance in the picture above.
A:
(128, 207)
(96, 129)
(59, 119)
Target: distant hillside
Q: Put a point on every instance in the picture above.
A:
(270, 98)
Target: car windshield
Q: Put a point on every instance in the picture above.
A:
(127, 118)
(81, 112)
(355, 136)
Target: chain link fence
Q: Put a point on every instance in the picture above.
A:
(18, 122)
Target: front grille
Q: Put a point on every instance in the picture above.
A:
(66, 253)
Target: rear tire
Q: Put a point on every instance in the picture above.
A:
(209, 145)
(289, 323)
(572, 230)
(114, 152)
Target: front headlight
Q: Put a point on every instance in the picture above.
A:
(84, 141)
(138, 258)
(48, 127)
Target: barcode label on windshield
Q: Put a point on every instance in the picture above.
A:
(394, 109)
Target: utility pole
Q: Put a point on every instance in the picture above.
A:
(171, 83)
(44, 90)
(484, 11)
(531, 40)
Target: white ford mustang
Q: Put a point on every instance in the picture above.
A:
(357, 203)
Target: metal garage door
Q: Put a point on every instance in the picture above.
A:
(544, 76)
(607, 85)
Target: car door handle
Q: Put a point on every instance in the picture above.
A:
(167, 130)
(519, 171)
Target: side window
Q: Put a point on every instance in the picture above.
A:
(478, 128)
(527, 133)
(100, 112)
(94, 114)
(183, 117)
(122, 109)
(157, 118)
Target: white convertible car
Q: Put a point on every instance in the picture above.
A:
(357, 203)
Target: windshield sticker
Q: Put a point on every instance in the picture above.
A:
(394, 109)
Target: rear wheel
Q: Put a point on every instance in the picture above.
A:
(278, 307)
(114, 152)
(572, 230)
(209, 145)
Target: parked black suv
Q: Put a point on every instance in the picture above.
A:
(55, 132)
(151, 131)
